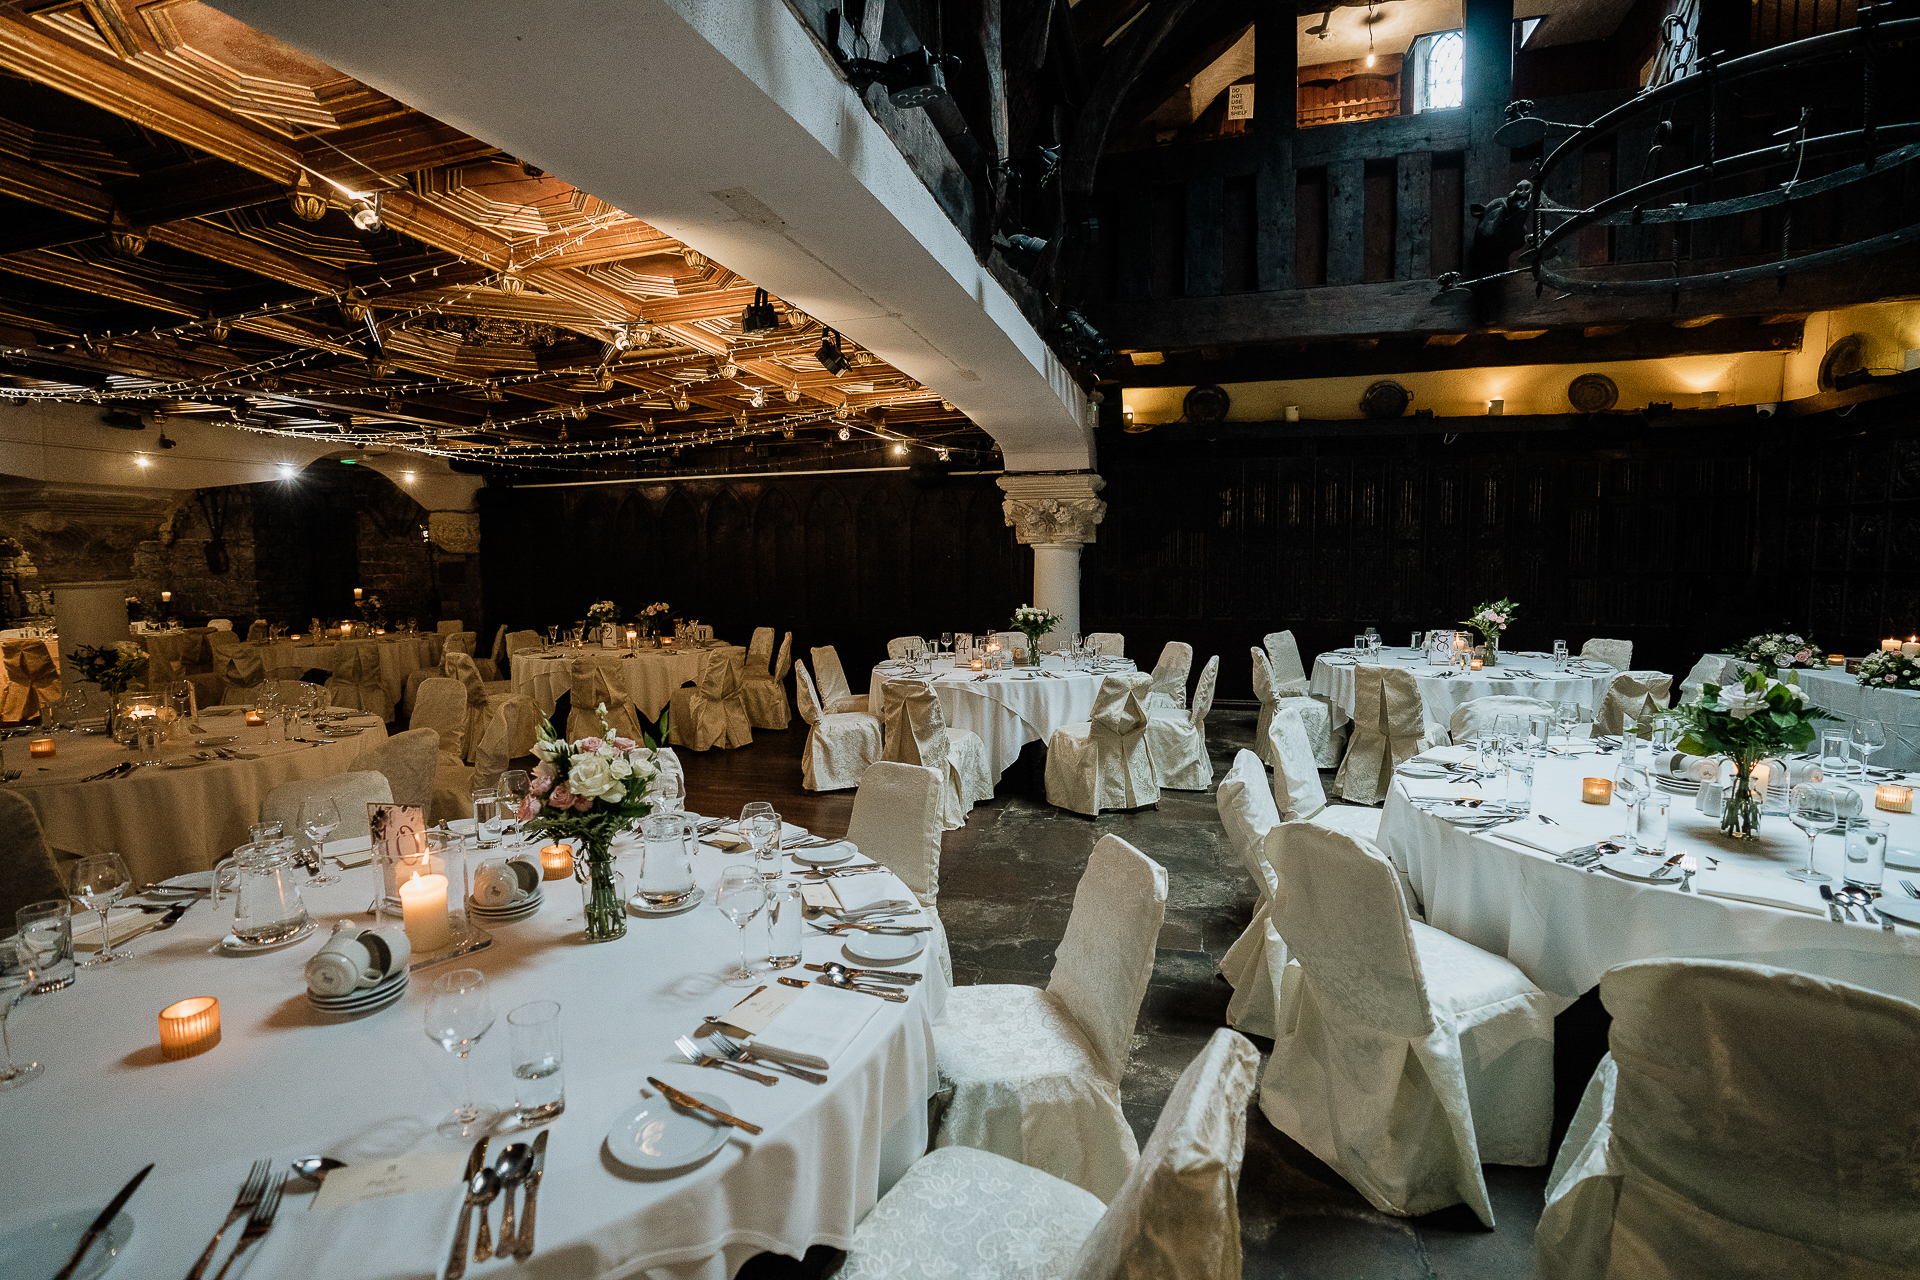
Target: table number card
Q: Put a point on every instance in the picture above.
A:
(397, 832)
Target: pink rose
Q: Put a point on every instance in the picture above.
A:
(561, 798)
(542, 785)
(1803, 655)
(526, 810)
(1888, 679)
(583, 804)
(588, 745)
(624, 744)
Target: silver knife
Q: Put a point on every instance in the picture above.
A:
(457, 1258)
(101, 1223)
(524, 1245)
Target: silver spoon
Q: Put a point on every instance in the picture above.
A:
(847, 984)
(484, 1186)
(879, 979)
(315, 1169)
(513, 1166)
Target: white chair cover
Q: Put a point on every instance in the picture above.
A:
(833, 689)
(1289, 676)
(1749, 1122)
(896, 822)
(1247, 812)
(1035, 1075)
(1617, 654)
(959, 1212)
(766, 693)
(459, 642)
(1177, 740)
(1389, 728)
(441, 705)
(759, 659)
(1169, 687)
(917, 733)
(1297, 792)
(356, 681)
(220, 624)
(1110, 644)
(1633, 695)
(899, 646)
(1103, 762)
(840, 745)
(28, 872)
(1403, 1057)
(588, 690)
(1711, 669)
(409, 761)
(518, 642)
(515, 720)
(1263, 693)
(33, 678)
(241, 671)
(498, 653)
(351, 793)
(1472, 718)
(712, 713)
(257, 631)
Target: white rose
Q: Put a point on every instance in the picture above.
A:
(1740, 704)
(592, 776)
(620, 768)
(642, 766)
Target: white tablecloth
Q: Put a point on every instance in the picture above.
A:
(648, 675)
(1440, 693)
(165, 821)
(1009, 710)
(285, 1083)
(1564, 927)
(399, 655)
(1897, 710)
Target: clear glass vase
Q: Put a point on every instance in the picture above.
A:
(1740, 810)
(603, 891)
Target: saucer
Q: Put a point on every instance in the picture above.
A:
(639, 907)
(233, 946)
(508, 914)
(658, 1136)
(365, 1000)
(884, 948)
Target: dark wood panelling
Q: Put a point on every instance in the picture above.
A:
(850, 560)
(1680, 540)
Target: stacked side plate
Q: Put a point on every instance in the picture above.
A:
(509, 914)
(365, 999)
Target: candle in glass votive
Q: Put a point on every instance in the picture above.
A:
(256, 717)
(1836, 659)
(423, 911)
(556, 862)
(1893, 797)
(40, 748)
(978, 664)
(1474, 664)
(189, 1027)
(166, 597)
(356, 593)
(1596, 790)
(1911, 649)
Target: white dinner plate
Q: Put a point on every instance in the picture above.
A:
(1902, 908)
(884, 948)
(190, 882)
(1423, 771)
(43, 1247)
(655, 1135)
(511, 914)
(1635, 866)
(214, 742)
(234, 946)
(826, 855)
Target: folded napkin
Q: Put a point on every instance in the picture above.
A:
(122, 923)
(870, 893)
(1693, 768)
(1770, 891)
(348, 859)
(1444, 755)
(726, 841)
(1558, 841)
(816, 1029)
(223, 711)
(1437, 788)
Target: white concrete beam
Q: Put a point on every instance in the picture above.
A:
(723, 124)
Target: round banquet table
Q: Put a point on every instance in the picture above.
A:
(399, 655)
(1897, 710)
(1440, 693)
(286, 1082)
(1564, 927)
(166, 821)
(648, 675)
(1009, 709)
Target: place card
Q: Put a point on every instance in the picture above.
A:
(726, 841)
(818, 895)
(348, 859)
(431, 1171)
(754, 1014)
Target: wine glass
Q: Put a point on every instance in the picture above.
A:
(459, 1012)
(319, 815)
(740, 895)
(1506, 734)
(763, 831)
(1632, 784)
(515, 786)
(1868, 737)
(946, 641)
(553, 636)
(1566, 716)
(749, 809)
(98, 882)
(1813, 811)
(19, 974)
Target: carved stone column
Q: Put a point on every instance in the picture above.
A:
(1056, 515)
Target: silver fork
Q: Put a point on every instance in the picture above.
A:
(250, 1192)
(258, 1225)
(700, 1059)
(733, 1051)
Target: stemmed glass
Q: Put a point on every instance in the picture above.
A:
(763, 831)
(1632, 784)
(458, 1014)
(749, 809)
(1566, 716)
(319, 815)
(515, 786)
(1814, 811)
(946, 641)
(98, 882)
(19, 975)
(740, 895)
(1868, 737)
(553, 636)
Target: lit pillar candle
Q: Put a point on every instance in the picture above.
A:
(1836, 660)
(423, 909)
(978, 664)
(356, 593)
(1911, 649)
(1474, 664)
(166, 597)
(256, 717)
(556, 862)
(1889, 646)
(1596, 791)
(189, 1027)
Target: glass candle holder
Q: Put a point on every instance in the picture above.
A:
(1893, 797)
(189, 1027)
(1596, 790)
(556, 862)
(40, 748)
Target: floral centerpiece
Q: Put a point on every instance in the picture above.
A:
(646, 616)
(1890, 670)
(369, 607)
(1747, 722)
(1780, 649)
(602, 612)
(116, 668)
(135, 610)
(1034, 622)
(589, 791)
(1490, 619)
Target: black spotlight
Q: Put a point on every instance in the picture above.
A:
(1021, 251)
(759, 319)
(1085, 340)
(831, 358)
(915, 79)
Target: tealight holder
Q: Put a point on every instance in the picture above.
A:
(1837, 660)
(556, 862)
(1596, 790)
(1893, 797)
(189, 1027)
(40, 748)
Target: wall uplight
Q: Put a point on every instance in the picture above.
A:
(1496, 407)
(406, 477)
(288, 471)
(142, 460)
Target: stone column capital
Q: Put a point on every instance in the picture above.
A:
(1053, 507)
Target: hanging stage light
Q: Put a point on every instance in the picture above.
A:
(831, 358)
(759, 319)
(366, 213)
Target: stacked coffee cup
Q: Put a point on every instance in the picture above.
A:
(359, 970)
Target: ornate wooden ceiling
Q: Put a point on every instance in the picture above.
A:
(177, 228)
